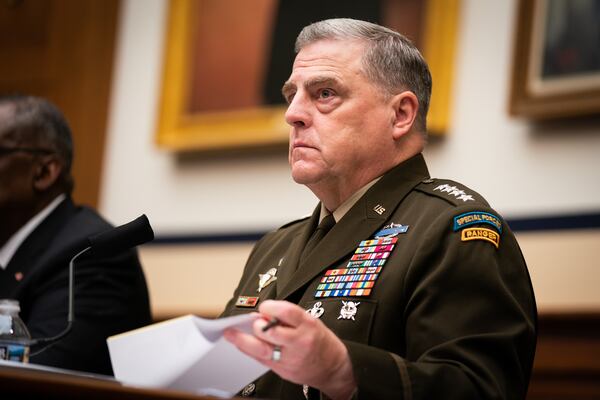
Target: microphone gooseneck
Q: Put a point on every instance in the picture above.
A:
(104, 244)
(71, 313)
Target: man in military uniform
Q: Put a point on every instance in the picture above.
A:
(399, 285)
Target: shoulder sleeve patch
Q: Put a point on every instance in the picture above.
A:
(476, 218)
(485, 234)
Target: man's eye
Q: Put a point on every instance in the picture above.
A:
(289, 97)
(325, 93)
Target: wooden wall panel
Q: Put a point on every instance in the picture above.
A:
(63, 50)
(567, 361)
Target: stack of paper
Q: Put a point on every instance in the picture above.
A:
(187, 353)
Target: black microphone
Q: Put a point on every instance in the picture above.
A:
(122, 237)
(106, 243)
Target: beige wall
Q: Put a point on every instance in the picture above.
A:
(192, 279)
(564, 268)
(199, 279)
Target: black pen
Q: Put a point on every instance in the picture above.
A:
(272, 322)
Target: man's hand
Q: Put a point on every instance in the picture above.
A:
(311, 353)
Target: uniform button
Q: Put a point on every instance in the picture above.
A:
(249, 390)
(429, 180)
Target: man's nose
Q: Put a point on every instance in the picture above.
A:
(297, 113)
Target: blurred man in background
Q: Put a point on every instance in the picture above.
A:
(41, 229)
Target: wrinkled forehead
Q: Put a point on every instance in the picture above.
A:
(337, 52)
(333, 60)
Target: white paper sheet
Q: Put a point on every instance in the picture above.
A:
(187, 353)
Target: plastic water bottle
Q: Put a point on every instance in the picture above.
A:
(14, 336)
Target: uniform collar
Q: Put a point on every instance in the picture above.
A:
(347, 205)
(365, 217)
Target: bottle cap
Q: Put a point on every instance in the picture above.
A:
(9, 305)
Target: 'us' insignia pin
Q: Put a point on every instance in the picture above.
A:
(379, 209)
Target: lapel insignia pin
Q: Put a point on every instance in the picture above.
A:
(266, 279)
(379, 209)
(348, 310)
(19, 276)
(316, 311)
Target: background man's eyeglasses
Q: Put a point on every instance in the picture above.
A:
(4, 151)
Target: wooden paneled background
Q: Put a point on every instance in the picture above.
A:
(63, 50)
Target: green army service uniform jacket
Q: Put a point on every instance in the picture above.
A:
(450, 314)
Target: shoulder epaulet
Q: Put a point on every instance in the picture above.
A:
(451, 191)
(294, 222)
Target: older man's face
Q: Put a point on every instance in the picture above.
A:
(340, 122)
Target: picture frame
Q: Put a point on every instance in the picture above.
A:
(555, 66)
(180, 129)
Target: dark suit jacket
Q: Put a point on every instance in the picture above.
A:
(110, 293)
(449, 316)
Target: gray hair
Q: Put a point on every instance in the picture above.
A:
(39, 122)
(391, 61)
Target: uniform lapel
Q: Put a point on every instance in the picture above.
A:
(292, 257)
(368, 214)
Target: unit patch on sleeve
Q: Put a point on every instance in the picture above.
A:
(363, 269)
(489, 235)
(477, 217)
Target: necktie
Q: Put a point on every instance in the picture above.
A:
(324, 226)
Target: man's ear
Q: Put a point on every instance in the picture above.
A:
(46, 173)
(406, 107)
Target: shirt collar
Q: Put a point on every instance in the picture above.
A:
(347, 205)
(12, 245)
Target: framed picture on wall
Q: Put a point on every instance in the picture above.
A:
(226, 60)
(556, 62)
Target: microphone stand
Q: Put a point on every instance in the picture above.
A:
(70, 316)
(117, 239)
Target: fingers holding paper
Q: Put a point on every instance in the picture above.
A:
(299, 348)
